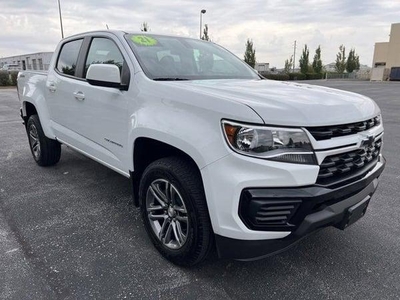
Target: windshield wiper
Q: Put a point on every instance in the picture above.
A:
(169, 79)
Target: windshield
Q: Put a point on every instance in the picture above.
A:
(177, 58)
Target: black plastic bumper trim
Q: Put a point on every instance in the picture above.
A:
(313, 198)
(329, 215)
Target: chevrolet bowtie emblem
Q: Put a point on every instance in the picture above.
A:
(369, 141)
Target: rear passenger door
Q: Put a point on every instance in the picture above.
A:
(60, 83)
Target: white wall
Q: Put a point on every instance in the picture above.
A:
(33, 61)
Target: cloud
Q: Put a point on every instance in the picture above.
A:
(273, 25)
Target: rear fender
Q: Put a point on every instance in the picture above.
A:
(44, 117)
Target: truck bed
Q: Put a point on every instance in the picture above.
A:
(31, 83)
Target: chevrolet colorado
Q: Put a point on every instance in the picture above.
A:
(216, 154)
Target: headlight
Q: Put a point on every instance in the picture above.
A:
(279, 144)
(378, 119)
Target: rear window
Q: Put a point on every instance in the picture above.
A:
(68, 57)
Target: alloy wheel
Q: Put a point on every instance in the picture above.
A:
(34, 141)
(167, 214)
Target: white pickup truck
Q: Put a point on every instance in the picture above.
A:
(216, 154)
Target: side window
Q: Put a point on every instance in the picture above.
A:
(68, 57)
(104, 51)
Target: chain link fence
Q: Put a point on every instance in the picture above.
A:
(360, 75)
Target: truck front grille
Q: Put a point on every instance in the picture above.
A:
(328, 132)
(337, 167)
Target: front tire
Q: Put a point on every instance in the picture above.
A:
(45, 151)
(174, 210)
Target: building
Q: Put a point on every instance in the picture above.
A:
(32, 61)
(387, 55)
(330, 67)
(262, 67)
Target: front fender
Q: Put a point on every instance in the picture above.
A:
(184, 119)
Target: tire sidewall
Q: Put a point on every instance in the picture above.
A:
(160, 172)
(34, 121)
(50, 149)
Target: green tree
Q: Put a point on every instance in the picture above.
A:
(250, 54)
(304, 60)
(145, 27)
(205, 36)
(340, 64)
(317, 62)
(288, 65)
(357, 59)
(353, 61)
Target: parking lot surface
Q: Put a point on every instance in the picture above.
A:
(71, 232)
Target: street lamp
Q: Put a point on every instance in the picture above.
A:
(59, 10)
(203, 11)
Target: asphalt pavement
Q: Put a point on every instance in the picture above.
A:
(71, 232)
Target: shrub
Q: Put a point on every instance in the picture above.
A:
(313, 76)
(264, 73)
(14, 75)
(4, 78)
(281, 77)
(297, 76)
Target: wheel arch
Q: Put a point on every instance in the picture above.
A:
(28, 109)
(39, 108)
(147, 150)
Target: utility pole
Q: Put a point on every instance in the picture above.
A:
(294, 55)
(59, 10)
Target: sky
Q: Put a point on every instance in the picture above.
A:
(28, 26)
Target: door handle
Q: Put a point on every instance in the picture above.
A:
(52, 87)
(79, 96)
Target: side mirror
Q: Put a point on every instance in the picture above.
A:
(105, 75)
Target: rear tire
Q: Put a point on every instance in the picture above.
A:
(174, 211)
(45, 151)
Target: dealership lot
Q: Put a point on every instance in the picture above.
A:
(71, 231)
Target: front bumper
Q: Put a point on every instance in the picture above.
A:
(321, 207)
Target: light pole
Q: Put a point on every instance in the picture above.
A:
(59, 10)
(203, 11)
(294, 55)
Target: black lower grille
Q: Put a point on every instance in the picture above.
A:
(337, 167)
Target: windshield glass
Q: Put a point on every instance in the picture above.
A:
(178, 58)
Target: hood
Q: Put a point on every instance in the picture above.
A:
(289, 103)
